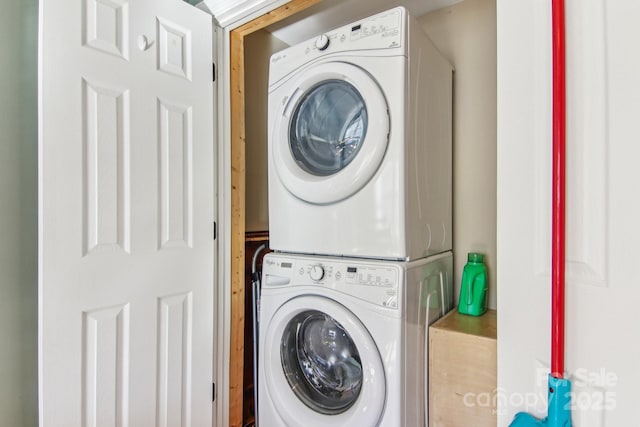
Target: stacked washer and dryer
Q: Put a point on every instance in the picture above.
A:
(360, 201)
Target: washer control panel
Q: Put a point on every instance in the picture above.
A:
(374, 282)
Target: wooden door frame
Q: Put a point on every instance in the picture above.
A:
(238, 194)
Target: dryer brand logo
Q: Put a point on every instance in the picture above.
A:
(277, 58)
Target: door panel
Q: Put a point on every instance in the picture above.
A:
(126, 214)
(106, 167)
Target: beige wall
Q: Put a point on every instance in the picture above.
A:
(258, 49)
(466, 35)
(18, 214)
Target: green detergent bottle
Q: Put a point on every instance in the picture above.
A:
(473, 292)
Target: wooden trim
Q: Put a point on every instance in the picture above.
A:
(236, 362)
(238, 194)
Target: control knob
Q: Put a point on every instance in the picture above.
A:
(322, 42)
(316, 273)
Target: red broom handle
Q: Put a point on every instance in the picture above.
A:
(558, 196)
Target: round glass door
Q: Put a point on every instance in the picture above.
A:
(321, 362)
(331, 135)
(328, 127)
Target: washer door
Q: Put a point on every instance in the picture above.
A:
(322, 366)
(332, 133)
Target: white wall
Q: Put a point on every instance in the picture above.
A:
(258, 49)
(602, 355)
(466, 35)
(18, 215)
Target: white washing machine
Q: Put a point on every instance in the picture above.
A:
(343, 342)
(360, 125)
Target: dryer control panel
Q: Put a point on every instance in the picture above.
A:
(374, 282)
(386, 30)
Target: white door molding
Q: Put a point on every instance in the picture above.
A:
(231, 13)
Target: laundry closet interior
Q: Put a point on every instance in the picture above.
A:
(465, 33)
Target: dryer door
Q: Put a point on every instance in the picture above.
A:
(332, 133)
(322, 366)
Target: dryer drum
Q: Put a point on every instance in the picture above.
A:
(321, 362)
(328, 127)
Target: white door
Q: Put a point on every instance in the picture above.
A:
(603, 208)
(126, 280)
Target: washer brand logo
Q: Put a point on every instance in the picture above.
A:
(270, 262)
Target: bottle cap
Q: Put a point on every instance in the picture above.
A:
(475, 257)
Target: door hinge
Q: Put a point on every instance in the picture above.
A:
(214, 71)
(213, 391)
(215, 230)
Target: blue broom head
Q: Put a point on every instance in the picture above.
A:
(559, 411)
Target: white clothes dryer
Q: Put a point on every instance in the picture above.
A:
(360, 125)
(344, 341)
